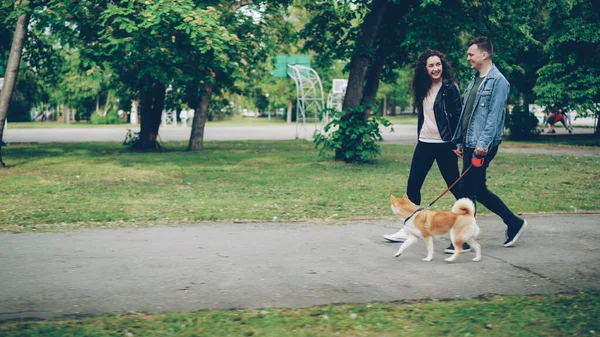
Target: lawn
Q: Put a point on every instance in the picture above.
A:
(503, 316)
(63, 186)
(233, 121)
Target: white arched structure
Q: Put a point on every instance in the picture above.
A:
(309, 92)
(169, 118)
(335, 99)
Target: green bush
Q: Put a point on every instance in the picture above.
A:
(18, 111)
(97, 119)
(112, 117)
(522, 124)
(352, 138)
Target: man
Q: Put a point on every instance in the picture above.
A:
(479, 133)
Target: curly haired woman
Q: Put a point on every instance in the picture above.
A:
(438, 102)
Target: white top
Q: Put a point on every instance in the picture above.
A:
(429, 130)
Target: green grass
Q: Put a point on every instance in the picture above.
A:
(403, 119)
(55, 186)
(577, 140)
(502, 316)
(60, 125)
(233, 121)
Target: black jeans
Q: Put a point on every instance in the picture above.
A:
(423, 157)
(473, 186)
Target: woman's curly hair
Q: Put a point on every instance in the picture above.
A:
(422, 80)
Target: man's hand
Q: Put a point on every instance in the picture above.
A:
(480, 152)
(459, 152)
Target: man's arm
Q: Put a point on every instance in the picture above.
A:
(495, 116)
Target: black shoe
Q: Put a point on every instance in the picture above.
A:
(450, 249)
(513, 232)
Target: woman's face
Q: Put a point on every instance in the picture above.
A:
(434, 68)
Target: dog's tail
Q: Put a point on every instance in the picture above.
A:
(464, 206)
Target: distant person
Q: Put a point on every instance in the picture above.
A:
(438, 105)
(549, 120)
(479, 133)
(569, 120)
(560, 117)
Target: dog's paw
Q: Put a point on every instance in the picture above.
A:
(477, 259)
(450, 259)
(427, 259)
(397, 254)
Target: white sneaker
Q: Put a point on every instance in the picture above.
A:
(399, 236)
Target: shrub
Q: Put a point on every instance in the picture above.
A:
(97, 119)
(522, 124)
(352, 138)
(112, 117)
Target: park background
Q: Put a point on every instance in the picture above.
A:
(83, 62)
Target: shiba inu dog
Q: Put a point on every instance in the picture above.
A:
(419, 223)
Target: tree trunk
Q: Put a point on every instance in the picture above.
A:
(360, 61)
(12, 70)
(373, 78)
(98, 104)
(67, 114)
(152, 102)
(289, 112)
(526, 100)
(197, 136)
(133, 117)
(107, 104)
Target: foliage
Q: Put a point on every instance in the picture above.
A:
(572, 76)
(131, 138)
(522, 124)
(352, 134)
(112, 117)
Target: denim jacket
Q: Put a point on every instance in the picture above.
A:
(487, 121)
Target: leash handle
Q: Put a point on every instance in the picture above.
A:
(477, 161)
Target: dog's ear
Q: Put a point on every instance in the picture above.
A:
(392, 198)
(405, 196)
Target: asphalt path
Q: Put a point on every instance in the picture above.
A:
(291, 265)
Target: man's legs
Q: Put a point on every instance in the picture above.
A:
(473, 186)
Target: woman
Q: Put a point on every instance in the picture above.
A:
(438, 102)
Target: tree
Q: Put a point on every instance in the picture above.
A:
(253, 22)
(12, 66)
(393, 33)
(571, 78)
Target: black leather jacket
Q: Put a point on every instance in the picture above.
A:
(446, 108)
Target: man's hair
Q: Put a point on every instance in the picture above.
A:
(483, 44)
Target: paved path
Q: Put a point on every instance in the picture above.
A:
(403, 134)
(257, 265)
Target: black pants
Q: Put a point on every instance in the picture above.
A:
(473, 186)
(423, 157)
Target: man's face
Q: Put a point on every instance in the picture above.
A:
(476, 57)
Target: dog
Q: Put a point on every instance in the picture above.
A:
(419, 223)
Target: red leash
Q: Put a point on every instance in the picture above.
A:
(449, 188)
(476, 161)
